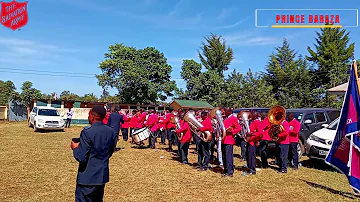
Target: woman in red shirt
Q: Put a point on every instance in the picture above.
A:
(185, 141)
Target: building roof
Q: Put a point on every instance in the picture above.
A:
(192, 103)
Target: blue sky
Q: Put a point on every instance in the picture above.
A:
(73, 35)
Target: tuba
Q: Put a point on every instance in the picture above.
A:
(276, 116)
(216, 116)
(175, 120)
(195, 125)
(245, 117)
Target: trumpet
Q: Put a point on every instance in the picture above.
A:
(217, 118)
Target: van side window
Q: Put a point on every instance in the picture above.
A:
(320, 117)
(34, 110)
(333, 115)
(310, 117)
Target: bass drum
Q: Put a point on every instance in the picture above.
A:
(141, 135)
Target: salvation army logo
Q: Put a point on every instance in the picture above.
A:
(14, 14)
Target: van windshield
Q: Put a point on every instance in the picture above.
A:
(48, 112)
(333, 125)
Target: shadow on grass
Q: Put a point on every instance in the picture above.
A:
(333, 191)
(317, 164)
(51, 131)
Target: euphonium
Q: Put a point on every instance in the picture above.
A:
(195, 126)
(276, 116)
(245, 117)
(176, 121)
(216, 115)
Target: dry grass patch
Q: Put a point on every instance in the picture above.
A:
(40, 167)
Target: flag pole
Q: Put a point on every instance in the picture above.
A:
(356, 75)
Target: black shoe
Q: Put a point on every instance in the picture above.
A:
(265, 166)
(228, 175)
(252, 173)
(282, 171)
(295, 168)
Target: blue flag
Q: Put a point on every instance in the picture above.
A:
(344, 154)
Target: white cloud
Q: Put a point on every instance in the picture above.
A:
(20, 51)
(235, 24)
(225, 13)
(177, 7)
(251, 39)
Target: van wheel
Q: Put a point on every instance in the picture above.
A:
(300, 149)
(35, 129)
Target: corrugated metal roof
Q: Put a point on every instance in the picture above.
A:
(193, 103)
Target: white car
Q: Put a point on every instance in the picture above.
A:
(46, 118)
(319, 142)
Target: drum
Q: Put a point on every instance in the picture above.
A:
(141, 135)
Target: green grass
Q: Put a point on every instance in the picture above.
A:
(40, 167)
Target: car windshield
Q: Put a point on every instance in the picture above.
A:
(48, 112)
(297, 115)
(333, 125)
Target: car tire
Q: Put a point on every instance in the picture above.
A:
(300, 149)
(35, 129)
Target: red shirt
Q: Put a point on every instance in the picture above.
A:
(184, 128)
(139, 123)
(233, 122)
(284, 136)
(294, 130)
(266, 126)
(142, 120)
(161, 123)
(106, 119)
(256, 127)
(152, 122)
(169, 125)
(133, 121)
(207, 125)
(126, 121)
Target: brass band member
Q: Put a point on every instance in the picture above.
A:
(126, 125)
(232, 127)
(242, 141)
(265, 141)
(185, 140)
(283, 147)
(204, 147)
(256, 132)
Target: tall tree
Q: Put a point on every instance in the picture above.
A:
(89, 97)
(215, 55)
(67, 95)
(7, 88)
(332, 52)
(141, 76)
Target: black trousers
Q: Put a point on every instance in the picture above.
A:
(89, 193)
(197, 142)
(204, 154)
(293, 154)
(251, 158)
(152, 138)
(264, 152)
(212, 147)
(68, 122)
(243, 148)
(170, 136)
(228, 158)
(184, 150)
(283, 152)
(125, 132)
(162, 134)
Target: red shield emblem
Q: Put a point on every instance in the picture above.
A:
(14, 14)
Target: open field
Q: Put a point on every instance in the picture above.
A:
(40, 167)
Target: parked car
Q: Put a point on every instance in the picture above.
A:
(261, 110)
(319, 142)
(46, 118)
(312, 119)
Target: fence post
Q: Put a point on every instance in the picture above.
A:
(6, 112)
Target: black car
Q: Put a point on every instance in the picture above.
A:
(311, 120)
(261, 110)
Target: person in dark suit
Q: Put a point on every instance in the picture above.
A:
(115, 121)
(97, 144)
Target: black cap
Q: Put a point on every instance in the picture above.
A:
(99, 110)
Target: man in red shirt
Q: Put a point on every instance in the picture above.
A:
(152, 124)
(162, 127)
(256, 133)
(232, 127)
(106, 119)
(185, 141)
(126, 125)
(263, 147)
(133, 123)
(204, 147)
(294, 140)
(283, 147)
(170, 127)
